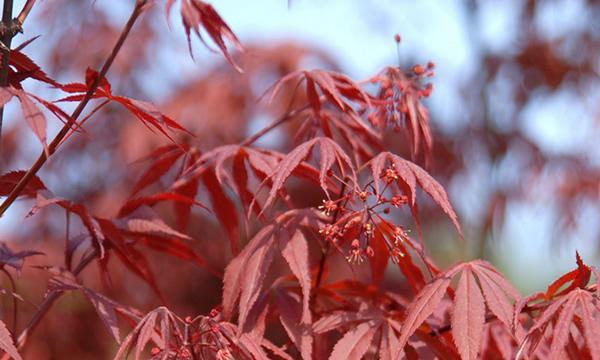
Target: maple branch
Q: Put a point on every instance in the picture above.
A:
(16, 191)
(6, 36)
(49, 301)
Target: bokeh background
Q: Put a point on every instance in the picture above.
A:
(515, 114)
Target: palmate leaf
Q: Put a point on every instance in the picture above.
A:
(469, 309)
(212, 338)
(210, 170)
(409, 176)
(157, 326)
(114, 236)
(561, 318)
(197, 14)
(245, 274)
(330, 153)
(572, 312)
(144, 111)
(337, 88)
(366, 324)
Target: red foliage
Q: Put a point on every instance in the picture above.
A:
(284, 231)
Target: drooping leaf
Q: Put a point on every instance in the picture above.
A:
(224, 209)
(408, 176)
(33, 115)
(197, 14)
(147, 113)
(157, 326)
(389, 345)
(337, 88)
(329, 151)
(291, 313)
(295, 252)
(246, 272)
(135, 203)
(162, 162)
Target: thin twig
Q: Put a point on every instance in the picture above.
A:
(16, 191)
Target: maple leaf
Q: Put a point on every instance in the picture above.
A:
(25, 68)
(163, 159)
(261, 162)
(330, 153)
(6, 342)
(468, 316)
(578, 278)
(9, 180)
(196, 14)
(388, 243)
(572, 315)
(290, 315)
(45, 198)
(364, 324)
(209, 333)
(144, 111)
(106, 308)
(337, 88)
(245, 274)
(572, 312)
(355, 343)
(33, 116)
(14, 259)
(158, 326)
(408, 175)
(133, 204)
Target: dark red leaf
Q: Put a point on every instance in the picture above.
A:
(9, 180)
(196, 14)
